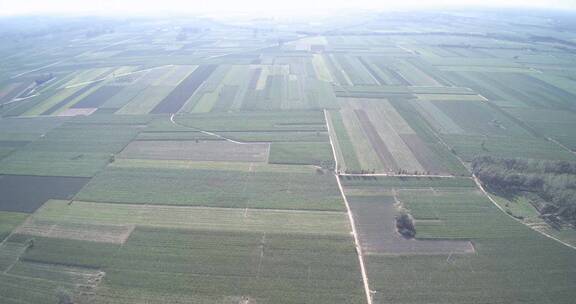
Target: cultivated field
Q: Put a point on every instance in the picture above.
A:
(201, 161)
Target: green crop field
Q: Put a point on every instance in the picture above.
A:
(203, 187)
(503, 248)
(384, 157)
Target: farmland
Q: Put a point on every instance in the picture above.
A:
(200, 161)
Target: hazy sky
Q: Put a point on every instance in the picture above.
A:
(272, 7)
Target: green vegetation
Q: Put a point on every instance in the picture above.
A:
(185, 160)
(9, 221)
(549, 185)
(215, 265)
(201, 187)
(503, 248)
(304, 153)
(200, 218)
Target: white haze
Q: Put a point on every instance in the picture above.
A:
(255, 8)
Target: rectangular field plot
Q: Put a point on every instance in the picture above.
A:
(370, 184)
(559, 125)
(495, 272)
(89, 138)
(178, 97)
(302, 153)
(197, 151)
(27, 129)
(515, 89)
(52, 163)
(187, 266)
(255, 121)
(116, 234)
(39, 283)
(26, 193)
(468, 117)
(375, 218)
(468, 147)
(98, 97)
(79, 148)
(386, 142)
(398, 91)
(306, 136)
(77, 111)
(346, 157)
(223, 186)
(98, 215)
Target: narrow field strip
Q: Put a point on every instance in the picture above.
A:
(203, 218)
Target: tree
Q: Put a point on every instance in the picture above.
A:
(405, 225)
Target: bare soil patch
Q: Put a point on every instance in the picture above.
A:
(376, 225)
(78, 111)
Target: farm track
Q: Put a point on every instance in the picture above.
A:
(367, 290)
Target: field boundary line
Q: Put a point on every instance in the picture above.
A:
(351, 219)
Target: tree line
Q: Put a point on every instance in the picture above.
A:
(553, 183)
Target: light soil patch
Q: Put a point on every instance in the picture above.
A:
(197, 151)
(116, 234)
(77, 111)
